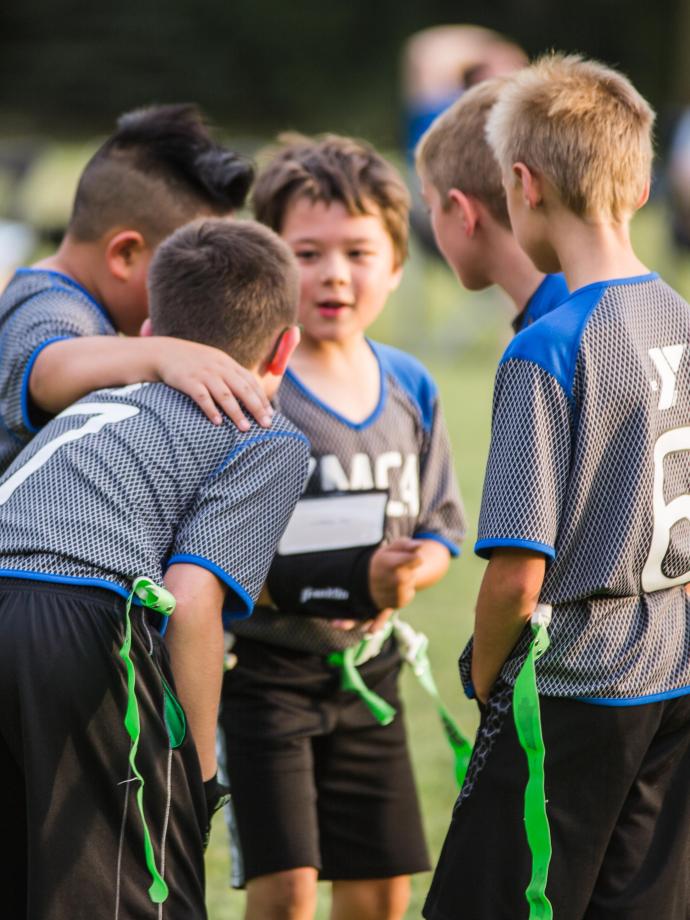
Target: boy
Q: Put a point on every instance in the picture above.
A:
(461, 183)
(126, 482)
(320, 789)
(159, 170)
(585, 508)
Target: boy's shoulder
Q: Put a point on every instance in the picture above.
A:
(553, 341)
(54, 291)
(550, 294)
(411, 376)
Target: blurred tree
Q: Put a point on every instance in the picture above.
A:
(70, 66)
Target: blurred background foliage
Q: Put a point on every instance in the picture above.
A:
(71, 66)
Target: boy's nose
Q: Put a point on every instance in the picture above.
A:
(335, 270)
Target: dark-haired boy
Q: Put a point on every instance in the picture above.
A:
(585, 508)
(320, 788)
(461, 183)
(128, 482)
(160, 169)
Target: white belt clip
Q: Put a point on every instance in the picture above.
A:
(542, 615)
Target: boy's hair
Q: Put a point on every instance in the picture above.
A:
(333, 168)
(454, 152)
(583, 126)
(230, 284)
(159, 169)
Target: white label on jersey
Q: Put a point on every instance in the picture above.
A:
(667, 361)
(101, 414)
(365, 475)
(335, 522)
(665, 515)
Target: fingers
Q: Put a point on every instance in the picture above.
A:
(237, 386)
(379, 621)
(345, 624)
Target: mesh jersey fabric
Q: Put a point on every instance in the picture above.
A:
(550, 294)
(590, 464)
(130, 480)
(37, 307)
(403, 446)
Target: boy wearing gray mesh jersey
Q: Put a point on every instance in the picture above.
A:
(320, 788)
(108, 817)
(586, 508)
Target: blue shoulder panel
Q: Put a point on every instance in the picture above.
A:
(550, 294)
(412, 376)
(552, 342)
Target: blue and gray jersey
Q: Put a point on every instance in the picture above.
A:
(128, 481)
(590, 465)
(402, 448)
(37, 307)
(550, 294)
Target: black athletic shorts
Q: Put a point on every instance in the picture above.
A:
(73, 836)
(618, 802)
(316, 781)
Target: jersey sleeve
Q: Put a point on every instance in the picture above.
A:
(441, 513)
(44, 318)
(529, 461)
(238, 516)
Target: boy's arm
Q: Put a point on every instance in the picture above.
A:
(195, 641)
(508, 595)
(68, 369)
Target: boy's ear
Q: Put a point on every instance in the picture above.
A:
(146, 328)
(532, 190)
(644, 196)
(122, 252)
(466, 209)
(282, 352)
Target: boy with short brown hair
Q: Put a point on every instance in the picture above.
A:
(59, 319)
(461, 183)
(320, 788)
(584, 511)
(133, 481)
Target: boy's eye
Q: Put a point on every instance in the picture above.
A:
(306, 255)
(361, 253)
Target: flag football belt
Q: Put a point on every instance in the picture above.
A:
(414, 649)
(526, 713)
(155, 598)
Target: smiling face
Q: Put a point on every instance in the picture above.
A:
(347, 268)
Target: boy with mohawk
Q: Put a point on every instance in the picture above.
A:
(58, 320)
(585, 509)
(461, 184)
(320, 788)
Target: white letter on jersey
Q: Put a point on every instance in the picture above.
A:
(665, 515)
(333, 476)
(667, 361)
(102, 414)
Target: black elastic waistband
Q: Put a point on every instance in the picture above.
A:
(83, 592)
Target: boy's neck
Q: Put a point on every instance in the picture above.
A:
(71, 260)
(514, 272)
(590, 251)
(329, 353)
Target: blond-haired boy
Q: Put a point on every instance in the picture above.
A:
(461, 184)
(585, 508)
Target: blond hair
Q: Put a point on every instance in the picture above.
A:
(581, 125)
(454, 152)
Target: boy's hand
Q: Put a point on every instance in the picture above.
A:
(213, 380)
(392, 573)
